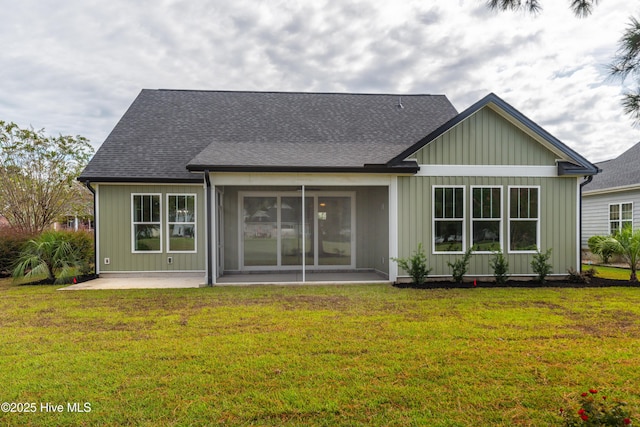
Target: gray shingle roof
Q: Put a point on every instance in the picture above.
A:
(619, 172)
(165, 131)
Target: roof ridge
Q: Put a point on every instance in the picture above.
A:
(293, 92)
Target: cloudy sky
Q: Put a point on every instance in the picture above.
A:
(74, 66)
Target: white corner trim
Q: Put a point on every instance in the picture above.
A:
(488, 170)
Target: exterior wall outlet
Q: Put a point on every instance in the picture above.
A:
(169, 260)
(107, 261)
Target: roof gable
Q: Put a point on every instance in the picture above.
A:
(167, 133)
(569, 162)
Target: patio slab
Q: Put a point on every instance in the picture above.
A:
(137, 283)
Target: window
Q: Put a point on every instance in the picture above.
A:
(620, 216)
(448, 219)
(486, 219)
(524, 219)
(146, 229)
(181, 222)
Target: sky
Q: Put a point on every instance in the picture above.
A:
(73, 67)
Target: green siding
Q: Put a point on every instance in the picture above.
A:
(114, 228)
(558, 217)
(485, 138)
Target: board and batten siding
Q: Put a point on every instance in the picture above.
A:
(595, 211)
(488, 140)
(558, 216)
(485, 138)
(114, 216)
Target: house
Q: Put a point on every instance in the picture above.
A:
(238, 184)
(612, 199)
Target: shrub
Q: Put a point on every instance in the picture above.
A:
(416, 265)
(11, 244)
(540, 265)
(626, 242)
(82, 243)
(459, 267)
(500, 267)
(596, 247)
(591, 411)
(584, 276)
(51, 256)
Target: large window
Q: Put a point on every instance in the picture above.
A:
(620, 216)
(486, 219)
(524, 219)
(181, 222)
(448, 219)
(146, 224)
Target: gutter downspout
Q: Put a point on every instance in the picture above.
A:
(87, 183)
(207, 181)
(582, 184)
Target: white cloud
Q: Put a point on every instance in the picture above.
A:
(74, 67)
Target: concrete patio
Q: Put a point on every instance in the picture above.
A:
(283, 278)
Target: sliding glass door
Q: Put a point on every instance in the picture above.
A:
(334, 230)
(260, 231)
(276, 232)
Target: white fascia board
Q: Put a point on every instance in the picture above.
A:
(620, 189)
(288, 179)
(488, 170)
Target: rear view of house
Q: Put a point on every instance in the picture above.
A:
(231, 185)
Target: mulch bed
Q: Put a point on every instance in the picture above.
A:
(444, 284)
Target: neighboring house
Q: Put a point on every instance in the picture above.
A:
(212, 183)
(612, 200)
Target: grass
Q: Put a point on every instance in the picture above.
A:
(614, 273)
(317, 355)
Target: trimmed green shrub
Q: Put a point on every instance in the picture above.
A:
(416, 265)
(459, 267)
(500, 267)
(540, 265)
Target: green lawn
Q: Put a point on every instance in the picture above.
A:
(614, 273)
(317, 355)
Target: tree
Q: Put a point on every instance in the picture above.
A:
(625, 242)
(581, 8)
(37, 174)
(626, 62)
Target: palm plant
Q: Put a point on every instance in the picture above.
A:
(625, 242)
(50, 255)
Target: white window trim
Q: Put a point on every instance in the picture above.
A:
(538, 220)
(619, 204)
(500, 220)
(434, 220)
(134, 223)
(194, 223)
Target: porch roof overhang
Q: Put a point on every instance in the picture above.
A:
(405, 167)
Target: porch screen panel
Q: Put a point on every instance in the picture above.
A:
(334, 230)
(291, 230)
(260, 231)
